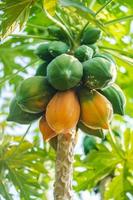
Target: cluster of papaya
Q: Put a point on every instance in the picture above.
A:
(72, 88)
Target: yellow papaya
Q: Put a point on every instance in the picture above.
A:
(63, 111)
(96, 110)
(46, 131)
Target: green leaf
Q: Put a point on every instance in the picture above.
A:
(119, 186)
(76, 4)
(4, 191)
(99, 164)
(15, 15)
(23, 165)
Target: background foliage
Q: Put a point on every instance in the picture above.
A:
(25, 162)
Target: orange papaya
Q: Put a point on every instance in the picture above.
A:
(96, 110)
(63, 111)
(46, 131)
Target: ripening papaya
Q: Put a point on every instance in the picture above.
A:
(43, 52)
(46, 131)
(17, 115)
(90, 35)
(34, 93)
(57, 48)
(42, 69)
(96, 110)
(89, 131)
(62, 112)
(64, 72)
(98, 73)
(116, 97)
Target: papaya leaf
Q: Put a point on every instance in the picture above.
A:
(15, 15)
(77, 4)
(50, 6)
(119, 186)
(99, 164)
(23, 174)
(84, 12)
(4, 191)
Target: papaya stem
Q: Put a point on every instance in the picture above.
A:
(64, 167)
(58, 23)
(114, 144)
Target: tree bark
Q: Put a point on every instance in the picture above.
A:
(64, 167)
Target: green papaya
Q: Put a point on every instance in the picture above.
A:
(43, 52)
(94, 47)
(57, 48)
(83, 53)
(17, 115)
(107, 56)
(64, 72)
(55, 31)
(89, 144)
(42, 70)
(116, 97)
(98, 73)
(89, 131)
(90, 35)
(34, 93)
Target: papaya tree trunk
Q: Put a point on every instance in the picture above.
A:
(64, 167)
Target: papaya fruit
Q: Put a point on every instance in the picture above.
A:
(96, 110)
(90, 35)
(62, 112)
(57, 48)
(89, 131)
(34, 93)
(116, 97)
(55, 31)
(64, 72)
(94, 47)
(89, 144)
(107, 56)
(46, 131)
(43, 52)
(42, 69)
(83, 53)
(16, 114)
(98, 73)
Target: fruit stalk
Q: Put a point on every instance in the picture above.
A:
(64, 167)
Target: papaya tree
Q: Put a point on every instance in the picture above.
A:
(68, 67)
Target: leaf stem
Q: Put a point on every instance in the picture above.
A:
(36, 26)
(62, 21)
(21, 141)
(32, 36)
(118, 20)
(117, 50)
(58, 23)
(114, 143)
(104, 6)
